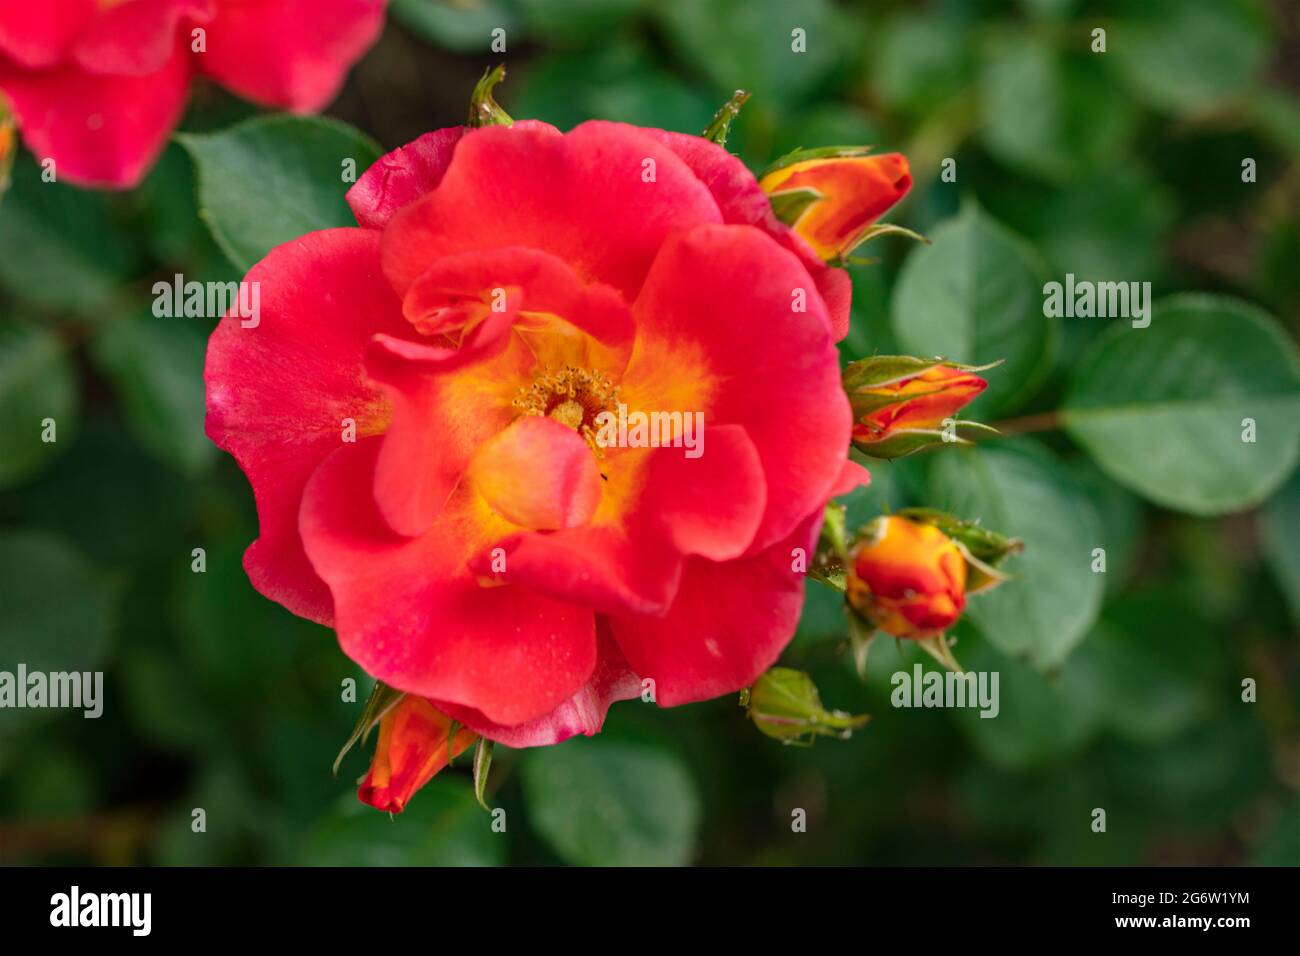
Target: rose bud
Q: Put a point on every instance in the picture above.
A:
(901, 404)
(784, 704)
(414, 738)
(833, 196)
(906, 578)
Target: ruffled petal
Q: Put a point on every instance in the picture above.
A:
(292, 54)
(135, 39)
(743, 202)
(583, 713)
(602, 197)
(728, 624)
(37, 33)
(407, 611)
(718, 331)
(278, 393)
(538, 474)
(402, 176)
(99, 130)
(710, 505)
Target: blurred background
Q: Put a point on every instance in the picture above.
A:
(1124, 164)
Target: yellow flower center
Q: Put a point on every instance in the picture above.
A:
(572, 396)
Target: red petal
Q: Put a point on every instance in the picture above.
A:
(579, 196)
(728, 624)
(278, 392)
(399, 178)
(429, 441)
(289, 53)
(852, 475)
(538, 474)
(583, 713)
(723, 294)
(134, 39)
(99, 130)
(402, 176)
(37, 33)
(711, 505)
(409, 613)
(743, 202)
(600, 566)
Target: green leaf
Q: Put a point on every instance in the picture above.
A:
(602, 803)
(1021, 491)
(975, 296)
(747, 44)
(1108, 225)
(156, 367)
(465, 28)
(1161, 409)
(1149, 662)
(922, 59)
(1040, 719)
(1189, 56)
(36, 382)
(1280, 843)
(618, 81)
(56, 613)
(275, 178)
(1280, 542)
(442, 826)
(60, 248)
(1122, 515)
(576, 22)
(1052, 115)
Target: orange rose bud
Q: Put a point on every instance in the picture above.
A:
(902, 403)
(413, 746)
(831, 197)
(907, 578)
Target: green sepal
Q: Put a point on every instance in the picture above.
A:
(880, 229)
(483, 109)
(789, 204)
(905, 441)
(453, 727)
(802, 155)
(862, 634)
(881, 370)
(938, 648)
(382, 699)
(720, 126)
(829, 560)
(482, 764)
(784, 704)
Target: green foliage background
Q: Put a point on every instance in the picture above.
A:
(1119, 691)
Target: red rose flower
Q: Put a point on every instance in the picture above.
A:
(479, 544)
(98, 85)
